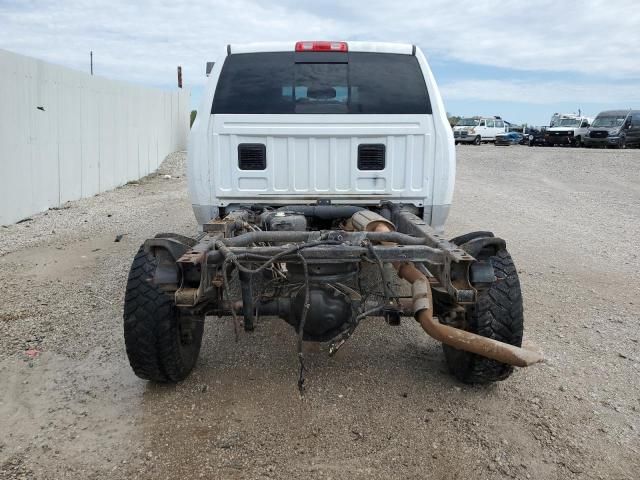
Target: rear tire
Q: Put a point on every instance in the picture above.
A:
(498, 314)
(162, 345)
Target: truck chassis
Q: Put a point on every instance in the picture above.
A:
(308, 277)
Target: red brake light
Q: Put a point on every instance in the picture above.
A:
(321, 47)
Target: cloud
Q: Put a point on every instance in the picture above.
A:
(145, 40)
(589, 37)
(543, 93)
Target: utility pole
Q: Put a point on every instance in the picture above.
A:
(179, 76)
(91, 60)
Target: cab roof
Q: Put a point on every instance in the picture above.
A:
(375, 47)
(618, 112)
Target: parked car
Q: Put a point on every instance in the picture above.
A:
(478, 129)
(509, 138)
(535, 137)
(614, 128)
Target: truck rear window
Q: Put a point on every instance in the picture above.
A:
(313, 83)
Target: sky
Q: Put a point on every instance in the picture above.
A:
(520, 60)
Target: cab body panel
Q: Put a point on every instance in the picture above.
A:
(360, 127)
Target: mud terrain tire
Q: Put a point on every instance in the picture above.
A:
(161, 346)
(498, 314)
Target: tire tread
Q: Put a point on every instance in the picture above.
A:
(150, 327)
(498, 315)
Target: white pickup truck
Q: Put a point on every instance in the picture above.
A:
(567, 129)
(321, 174)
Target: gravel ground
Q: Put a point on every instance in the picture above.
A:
(384, 406)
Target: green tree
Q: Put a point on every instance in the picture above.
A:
(453, 119)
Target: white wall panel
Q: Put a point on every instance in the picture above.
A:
(90, 135)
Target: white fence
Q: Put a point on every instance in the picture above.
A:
(65, 135)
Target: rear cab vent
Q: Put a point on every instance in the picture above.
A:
(371, 156)
(252, 156)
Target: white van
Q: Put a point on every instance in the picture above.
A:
(478, 129)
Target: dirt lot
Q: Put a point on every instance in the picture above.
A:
(384, 407)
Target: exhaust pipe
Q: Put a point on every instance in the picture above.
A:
(423, 309)
(455, 337)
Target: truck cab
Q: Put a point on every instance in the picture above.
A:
(332, 122)
(476, 130)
